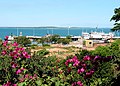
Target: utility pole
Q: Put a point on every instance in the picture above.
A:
(17, 31)
(68, 31)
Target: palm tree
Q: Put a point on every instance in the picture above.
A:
(116, 27)
(116, 18)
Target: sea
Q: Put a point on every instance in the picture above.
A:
(42, 31)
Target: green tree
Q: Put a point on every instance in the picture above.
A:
(0, 41)
(41, 40)
(102, 51)
(116, 18)
(23, 40)
(68, 37)
(55, 38)
(64, 40)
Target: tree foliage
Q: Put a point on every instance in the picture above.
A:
(23, 40)
(116, 18)
(55, 38)
(42, 40)
(64, 40)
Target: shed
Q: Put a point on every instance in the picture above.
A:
(89, 43)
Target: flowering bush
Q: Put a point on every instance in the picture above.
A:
(13, 64)
(86, 68)
(18, 68)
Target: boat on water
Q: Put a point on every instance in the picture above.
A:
(97, 35)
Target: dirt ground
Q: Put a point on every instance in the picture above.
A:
(62, 51)
(59, 52)
(95, 46)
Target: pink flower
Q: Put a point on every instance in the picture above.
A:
(4, 52)
(79, 83)
(18, 71)
(7, 47)
(18, 54)
(84, 65)
(24, 53)
(81, 70)
(17, 49)
(36, 75)
(22, 49)
(27, 56)
(6, 37)
(26, 76)
(14, 65)
(14, 84)
(92, 71)
(15, 44)
(74, 60)
(11, 54)
(7, 84)
(75, 57)
(70, 60)
(66, 63)
(5, 43)
(97, 58)
(89, 74)
(74, 84)
(76, 63)
(30, 77)
(15, 52)
(86, 58)
(15, 56)
(21, 79)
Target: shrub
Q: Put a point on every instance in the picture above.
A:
(46, 45)
(89, 70)
(23, 40)
(13, 67)
(42, 52)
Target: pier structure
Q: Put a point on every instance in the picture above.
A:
(74, 38)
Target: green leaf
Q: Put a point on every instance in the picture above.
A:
(39, 82)
(57, 83)
(53, 79)
(22, 84)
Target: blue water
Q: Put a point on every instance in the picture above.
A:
(30, 31)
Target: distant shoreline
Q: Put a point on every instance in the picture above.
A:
(57, 27)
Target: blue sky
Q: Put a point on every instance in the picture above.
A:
(83, 13)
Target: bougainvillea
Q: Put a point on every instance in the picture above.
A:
(86, 67)
(16, 67)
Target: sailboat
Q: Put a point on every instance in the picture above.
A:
(69, 30)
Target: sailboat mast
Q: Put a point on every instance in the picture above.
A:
(52, 31)
(33, 32)
(68, 30)
(47, 31)
(17, 31)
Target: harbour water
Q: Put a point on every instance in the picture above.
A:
(42, 31)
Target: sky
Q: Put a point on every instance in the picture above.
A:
(35, 13)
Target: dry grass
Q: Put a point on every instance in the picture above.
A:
(59, 52)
